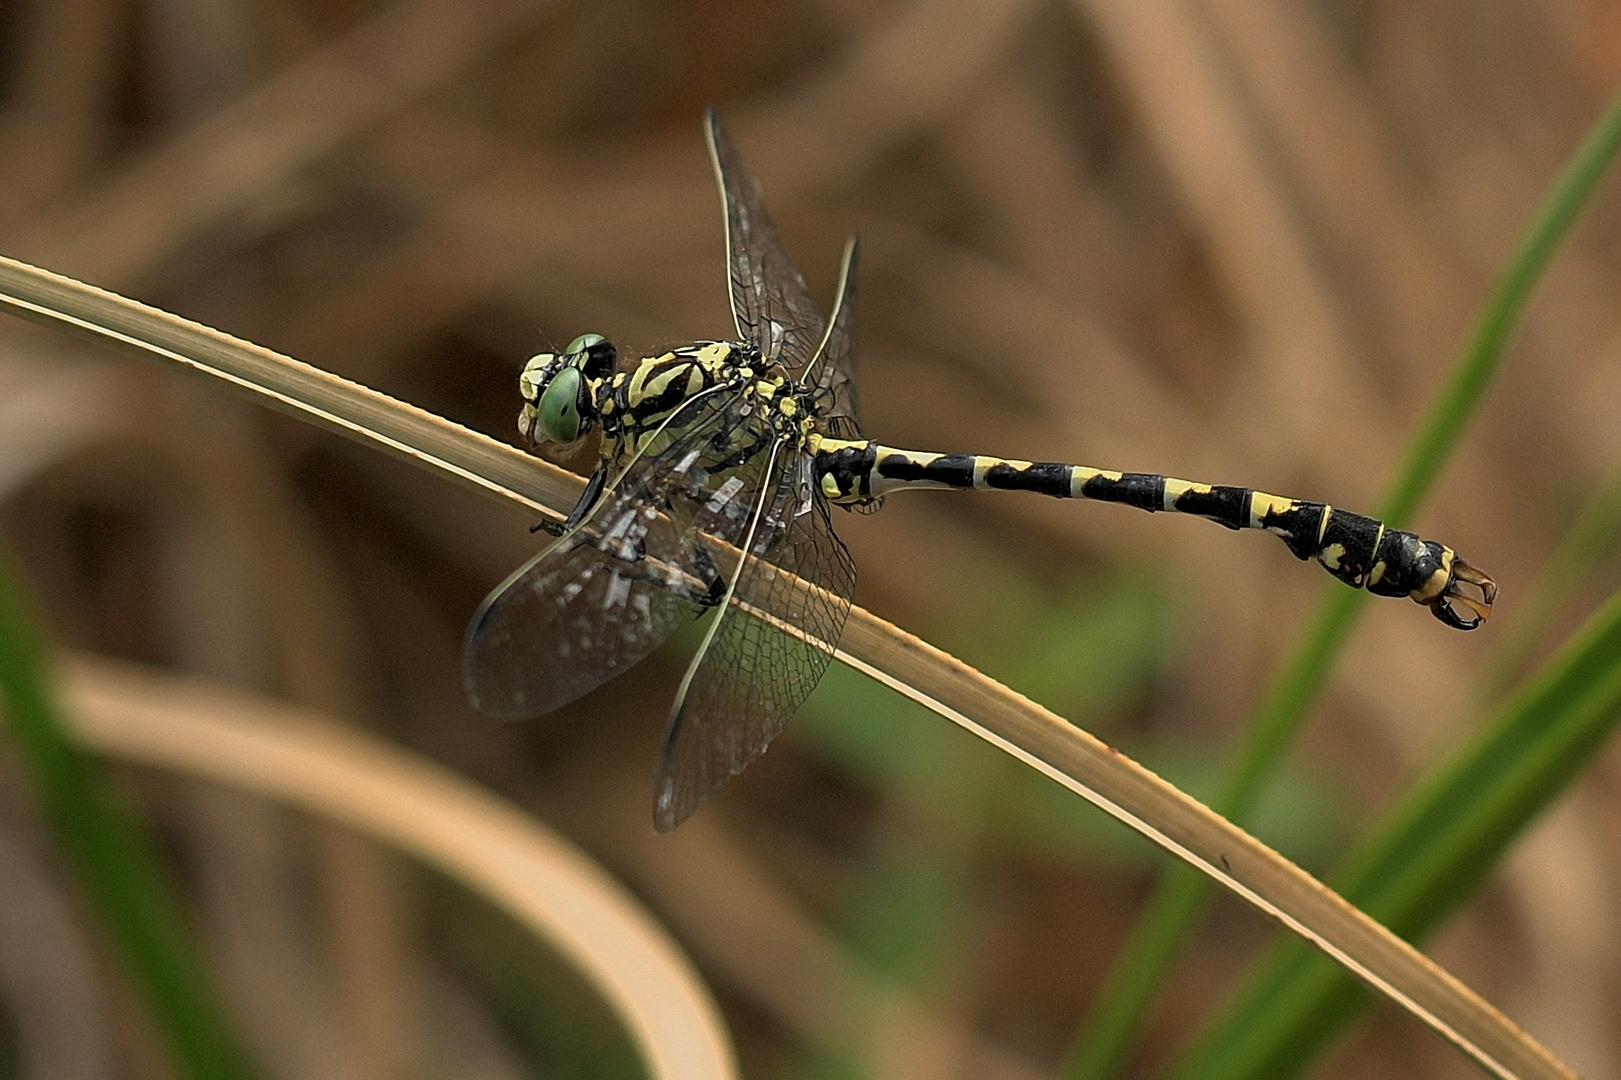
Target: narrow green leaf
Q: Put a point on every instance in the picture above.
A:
(1428, 854)
(1174, 909)
(1591, 536)
(127, 890)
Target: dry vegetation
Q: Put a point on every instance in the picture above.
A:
(1235, 241)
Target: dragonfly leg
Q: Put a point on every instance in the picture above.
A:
(582, 509)
(706, 569)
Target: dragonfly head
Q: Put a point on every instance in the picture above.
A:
(558, 399)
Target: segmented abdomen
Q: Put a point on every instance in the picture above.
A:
(1360, 551)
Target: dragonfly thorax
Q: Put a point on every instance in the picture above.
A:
(648, 405)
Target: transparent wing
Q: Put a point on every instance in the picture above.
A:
(601, 598)
(776, 636)
(770, 305)
(832, 373)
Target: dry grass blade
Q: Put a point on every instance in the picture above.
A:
(1044, 741)
(303, 391)
(337, 772)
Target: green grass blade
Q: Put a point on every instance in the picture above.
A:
(1428, 854)
(136, 908)
(1172, 911)
(1590, 537)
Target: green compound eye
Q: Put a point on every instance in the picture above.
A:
(582, 343)
(559, 407)
(535, 374)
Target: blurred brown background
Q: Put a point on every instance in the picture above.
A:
(1232, 241)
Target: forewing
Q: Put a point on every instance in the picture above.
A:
(770, 304)
(570, 620)
(777, 633)
(832, 373)
(600, 599)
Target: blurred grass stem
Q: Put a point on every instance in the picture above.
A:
(137, 908)
(1174, 907)
(1429, 852)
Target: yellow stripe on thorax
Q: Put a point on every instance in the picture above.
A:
(653, 377)
(714, 355)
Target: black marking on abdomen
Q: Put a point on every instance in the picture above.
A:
(1297, 526)
(1145, 491)
(1042, 477)
(1409, 563)
(1346, 548)
(1229, 506)
(851, 469)
(952, 470)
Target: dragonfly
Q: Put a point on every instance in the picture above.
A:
(717, 464)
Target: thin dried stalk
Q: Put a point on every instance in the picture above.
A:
(408, 802)
(1042, 740)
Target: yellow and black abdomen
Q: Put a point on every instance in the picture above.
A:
(1361, 551)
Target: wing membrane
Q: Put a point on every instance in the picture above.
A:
(832, 372)
(600, 599)
(770, 304)
(757, 671)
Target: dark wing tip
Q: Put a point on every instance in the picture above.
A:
(666, 815)
(482, 691)
(495, 706)
(673, 801)
(494, 703)
(474, 685)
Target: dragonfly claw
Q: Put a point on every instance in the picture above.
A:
(1468, 588)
